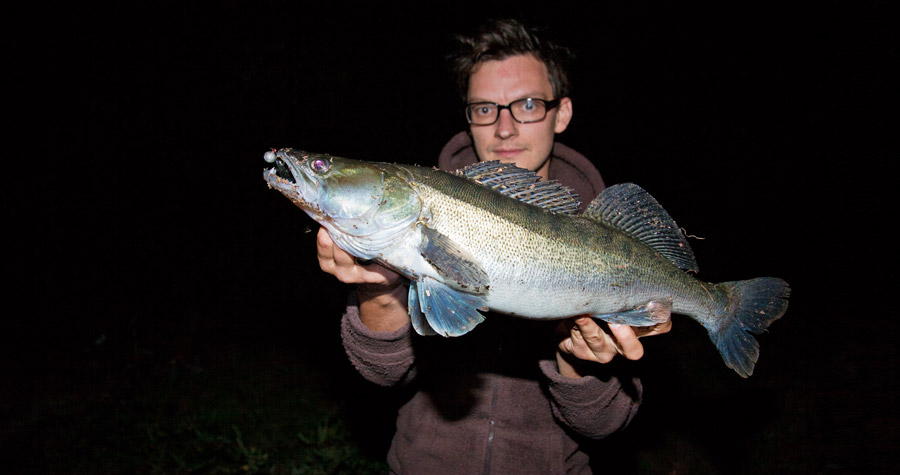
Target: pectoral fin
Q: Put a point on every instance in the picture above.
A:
(439, 309)
(651, 313)
(453, 262)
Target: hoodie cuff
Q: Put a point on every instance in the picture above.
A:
(384, 358)
(592, 406)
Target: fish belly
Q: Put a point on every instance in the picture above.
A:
(553, 302)
(581, 282)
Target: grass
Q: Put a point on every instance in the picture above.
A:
(192, 397)
(227, 408)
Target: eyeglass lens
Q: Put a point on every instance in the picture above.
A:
(523, 110)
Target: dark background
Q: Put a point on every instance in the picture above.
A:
(140, 223)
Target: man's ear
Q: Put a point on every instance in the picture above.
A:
(563, 114)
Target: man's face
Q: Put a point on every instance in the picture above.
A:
(502, 82)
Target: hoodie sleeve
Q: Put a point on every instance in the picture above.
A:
(591, 406)
(384, 358)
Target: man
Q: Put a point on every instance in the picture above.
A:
(507, 397)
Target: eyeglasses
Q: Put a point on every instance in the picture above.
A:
(523, 111)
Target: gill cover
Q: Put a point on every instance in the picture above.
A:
(363, 205)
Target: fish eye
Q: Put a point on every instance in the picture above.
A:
(320, 165)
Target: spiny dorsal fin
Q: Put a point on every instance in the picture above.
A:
(630, 209)
(523, 185)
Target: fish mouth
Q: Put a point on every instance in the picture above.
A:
(282, 170)
(286, 163)
(286, 175)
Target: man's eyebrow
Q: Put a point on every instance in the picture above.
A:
(533, 95)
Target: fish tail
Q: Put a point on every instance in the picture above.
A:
(751, 306)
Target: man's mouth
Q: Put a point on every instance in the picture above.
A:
(508, 153)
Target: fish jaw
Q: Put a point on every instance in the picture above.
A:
(288, 177)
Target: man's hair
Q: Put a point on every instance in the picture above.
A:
(500, 39)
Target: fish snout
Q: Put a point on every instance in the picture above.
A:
(277, 158)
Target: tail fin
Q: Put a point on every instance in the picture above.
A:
(753, 305)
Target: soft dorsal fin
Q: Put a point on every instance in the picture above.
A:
(523, 185)
(630, 209)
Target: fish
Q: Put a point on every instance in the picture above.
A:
(495, 237)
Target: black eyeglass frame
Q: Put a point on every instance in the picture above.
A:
(548, 106)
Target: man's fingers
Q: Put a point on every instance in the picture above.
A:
(627, 341)
(591, 343)
(339, 263)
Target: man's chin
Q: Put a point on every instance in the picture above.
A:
(513, 158)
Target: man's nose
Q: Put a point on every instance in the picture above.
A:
(506, 125)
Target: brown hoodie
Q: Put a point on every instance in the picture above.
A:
(492, 401)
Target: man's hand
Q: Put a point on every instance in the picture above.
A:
(585, 339)
(347, 269)
(382, 295)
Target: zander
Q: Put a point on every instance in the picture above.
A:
(494, 237)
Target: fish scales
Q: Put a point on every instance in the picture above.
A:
(529, 252)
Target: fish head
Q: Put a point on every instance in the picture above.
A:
(353, 199)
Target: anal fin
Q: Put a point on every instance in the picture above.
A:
(651, 313)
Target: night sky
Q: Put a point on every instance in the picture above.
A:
(137, 208)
